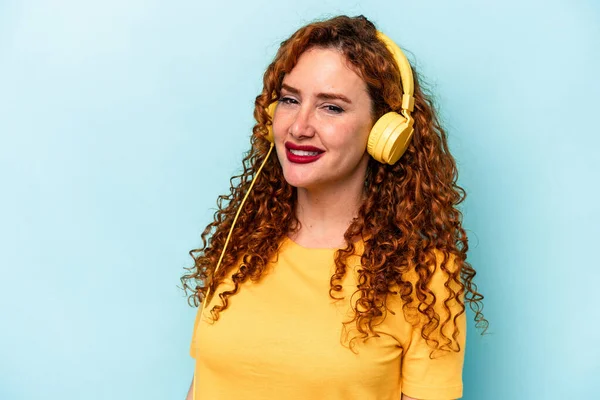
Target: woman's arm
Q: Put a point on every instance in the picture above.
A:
(190, 395)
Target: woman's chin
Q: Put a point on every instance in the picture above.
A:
(300, 182)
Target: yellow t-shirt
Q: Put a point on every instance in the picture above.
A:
(282, 338)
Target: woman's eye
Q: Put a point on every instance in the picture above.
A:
(287, 100)
(334, 109)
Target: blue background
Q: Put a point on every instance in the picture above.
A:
(121, 122)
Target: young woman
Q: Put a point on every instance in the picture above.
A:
(345, 275)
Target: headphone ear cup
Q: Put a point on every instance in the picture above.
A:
(389, 138)
(271, 111)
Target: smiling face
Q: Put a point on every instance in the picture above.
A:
(322, 123)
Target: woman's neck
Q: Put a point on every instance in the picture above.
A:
(325, 215)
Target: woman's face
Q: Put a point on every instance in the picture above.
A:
(322, 123)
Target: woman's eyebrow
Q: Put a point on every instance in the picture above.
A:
(324, 96)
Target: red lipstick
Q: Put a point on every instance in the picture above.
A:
(302, 154)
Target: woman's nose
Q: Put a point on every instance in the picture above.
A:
(302, 126)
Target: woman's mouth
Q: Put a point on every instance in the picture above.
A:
(302, 154)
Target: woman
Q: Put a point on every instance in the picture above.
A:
(345, 274)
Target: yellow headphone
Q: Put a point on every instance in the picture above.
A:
(391, 134)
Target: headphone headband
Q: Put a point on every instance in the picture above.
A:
(406, 74)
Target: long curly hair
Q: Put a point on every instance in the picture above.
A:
(409, 214)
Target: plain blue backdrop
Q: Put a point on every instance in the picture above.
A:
(121, 122)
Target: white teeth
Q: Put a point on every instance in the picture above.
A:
(304, 153)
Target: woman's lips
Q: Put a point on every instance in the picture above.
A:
(302, 154)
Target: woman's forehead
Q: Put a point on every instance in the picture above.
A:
(324, 69)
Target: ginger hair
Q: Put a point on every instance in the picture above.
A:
(409, 215)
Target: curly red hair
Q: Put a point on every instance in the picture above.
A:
(408, 218)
